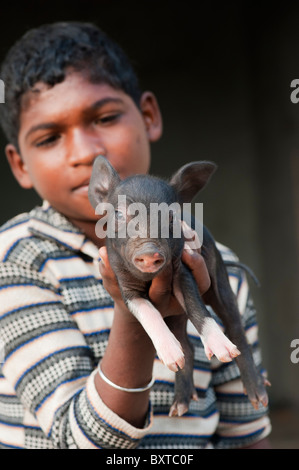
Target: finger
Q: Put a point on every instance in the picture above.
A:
(104, 255)
(109, 278)
(192, 257)
(191, 237)
(162, 283)
(104, 265)
(161, 288)
(197, 265)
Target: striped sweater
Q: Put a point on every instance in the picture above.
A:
(55, 317)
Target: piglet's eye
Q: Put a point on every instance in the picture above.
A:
(119, 215)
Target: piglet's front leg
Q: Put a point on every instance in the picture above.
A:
(167, 346)
(214, 340)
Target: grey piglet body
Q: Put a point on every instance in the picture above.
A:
(137, 257)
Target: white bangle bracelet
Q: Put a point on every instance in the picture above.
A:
(123, 389)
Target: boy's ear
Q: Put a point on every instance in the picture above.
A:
(191, 178)
(151, 115)
(103, 179)
(18, 167)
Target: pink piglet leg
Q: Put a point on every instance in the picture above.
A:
(167, 346)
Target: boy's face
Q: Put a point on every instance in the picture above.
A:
(63, 129)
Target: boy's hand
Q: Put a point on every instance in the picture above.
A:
(160, 292)
(109, 279)
(130, 352)
(193, 259)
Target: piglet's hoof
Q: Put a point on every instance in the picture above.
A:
(257, 393)
(180, 406)
(216, 343)
(171, 354)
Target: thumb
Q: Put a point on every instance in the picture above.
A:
(161, 284)
(104, 255)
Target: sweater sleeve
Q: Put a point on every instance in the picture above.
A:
(50, 367)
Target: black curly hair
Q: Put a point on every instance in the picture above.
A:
(49, 52)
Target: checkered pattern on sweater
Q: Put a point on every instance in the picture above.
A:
(55, 317)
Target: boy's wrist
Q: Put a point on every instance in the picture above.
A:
(130, 352)
(127, 330)
(128, 362)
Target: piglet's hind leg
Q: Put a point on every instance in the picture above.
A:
(184, 390)
(214, 340)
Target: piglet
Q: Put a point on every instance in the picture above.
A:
(137, 256)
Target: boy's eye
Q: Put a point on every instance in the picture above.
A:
(48, 141)
(107, 118)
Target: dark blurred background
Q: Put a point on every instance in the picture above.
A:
(222, 74)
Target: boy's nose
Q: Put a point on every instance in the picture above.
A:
(84, 148)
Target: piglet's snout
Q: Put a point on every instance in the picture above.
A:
(149, 262)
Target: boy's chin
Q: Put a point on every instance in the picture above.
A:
(80, 210)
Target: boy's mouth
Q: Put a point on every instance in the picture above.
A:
(83, 187)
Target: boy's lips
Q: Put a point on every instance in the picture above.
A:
(83, 186)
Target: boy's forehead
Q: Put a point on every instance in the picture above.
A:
(33, 95)
(74, 92)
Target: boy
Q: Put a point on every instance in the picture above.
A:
(70, 96)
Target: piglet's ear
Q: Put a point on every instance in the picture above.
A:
(103, 179)
(191, 178)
